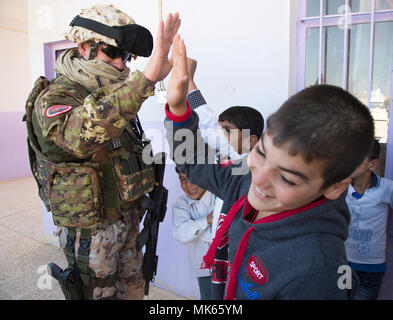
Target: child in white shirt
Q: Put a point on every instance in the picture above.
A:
(369, 199)
(192, 219)
(234, 133)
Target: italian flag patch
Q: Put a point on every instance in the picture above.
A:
(54, 111)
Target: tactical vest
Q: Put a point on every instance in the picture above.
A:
(79, 192)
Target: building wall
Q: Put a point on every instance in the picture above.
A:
(245, 52)
(14, 87)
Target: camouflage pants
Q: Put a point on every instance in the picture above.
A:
(112, 249)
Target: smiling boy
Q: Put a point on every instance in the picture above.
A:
(286, 220)
(192, 220)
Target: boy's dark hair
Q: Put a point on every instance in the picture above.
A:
(327, 123)
(375, 150)
(244, 118)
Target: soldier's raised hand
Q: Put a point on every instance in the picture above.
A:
(159, 66)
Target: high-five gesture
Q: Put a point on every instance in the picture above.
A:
(178, 83)
(159, 66)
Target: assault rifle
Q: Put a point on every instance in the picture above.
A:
(155, 204)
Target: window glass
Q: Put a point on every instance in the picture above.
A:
(360, 5)
(312, 56)
(382, 76)
(312, 8)
(333, 7)
(332, 55)
(333, 51)
(359, 60)
(384, 5)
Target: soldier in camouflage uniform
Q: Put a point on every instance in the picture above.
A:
(86, 156)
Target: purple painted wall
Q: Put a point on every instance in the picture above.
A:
(14, 156)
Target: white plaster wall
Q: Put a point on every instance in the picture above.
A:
(14, 55)
(244, 49)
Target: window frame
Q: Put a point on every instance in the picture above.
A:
(50, 49)
(372, 17)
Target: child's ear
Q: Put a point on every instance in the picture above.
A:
(335, 190)
(373, 166)
(253, 141)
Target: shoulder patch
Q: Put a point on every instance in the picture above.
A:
(256, 270)
(54, 111)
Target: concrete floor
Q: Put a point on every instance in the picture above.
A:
(25, 250)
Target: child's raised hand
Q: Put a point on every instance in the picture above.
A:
(191, 67)
(178, 83)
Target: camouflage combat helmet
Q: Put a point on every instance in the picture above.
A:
(106, 14)
(109, 26)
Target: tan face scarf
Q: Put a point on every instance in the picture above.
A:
(85, 71)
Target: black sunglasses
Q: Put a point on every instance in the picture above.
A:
(114, 52)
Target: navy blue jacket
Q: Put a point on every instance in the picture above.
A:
(290, 255)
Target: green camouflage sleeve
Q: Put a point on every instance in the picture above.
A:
(102, 117)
